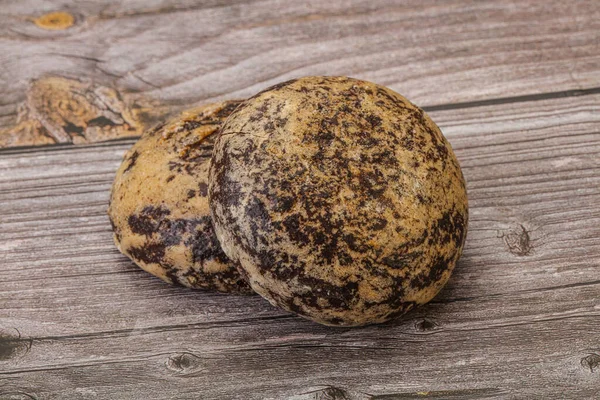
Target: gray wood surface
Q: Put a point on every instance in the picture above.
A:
(514, 86)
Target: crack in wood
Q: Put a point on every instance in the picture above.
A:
(477, 393)
(27, 128)
(17, 395)
(514, 99)
(160, 328)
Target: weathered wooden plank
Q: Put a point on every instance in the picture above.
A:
(573, 306)
(282, 358)
(176, 54)
(534, 221)
(519, 318)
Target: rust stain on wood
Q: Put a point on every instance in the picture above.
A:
(63, 110)
(57, 20)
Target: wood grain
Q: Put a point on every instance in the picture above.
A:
(513, 85)
(181, 53)
(519, 318)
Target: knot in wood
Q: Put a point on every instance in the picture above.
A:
(332, 393)
(518, 241)
(592, 361)
(55, 21)
(183, 362)
(425, 325)
(12, 345)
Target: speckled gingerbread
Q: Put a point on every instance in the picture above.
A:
(341, 200)
(159, 206)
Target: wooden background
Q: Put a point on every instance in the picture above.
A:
(515, 86)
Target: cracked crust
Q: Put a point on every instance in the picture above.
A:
(159, 206)
(341, 200)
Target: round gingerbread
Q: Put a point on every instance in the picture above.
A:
(340, 200)
(159, 206)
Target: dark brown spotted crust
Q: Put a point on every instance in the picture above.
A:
(159, 207)
(341, 200)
